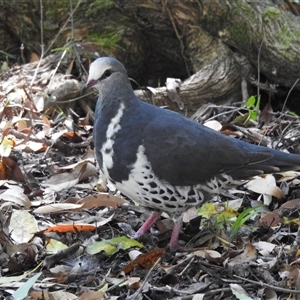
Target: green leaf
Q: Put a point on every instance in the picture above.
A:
(241, 118)
(243, 217)
(5, 147)
(22, 291)
(251, 102)
(113, 245)
(292, 113)
(253, 115)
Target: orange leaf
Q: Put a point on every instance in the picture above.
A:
(3, 171)
(145, 261)
(34, 57)
(71, 228)
(74, 137)
(11, 169)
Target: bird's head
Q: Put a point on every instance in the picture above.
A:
(105, 72)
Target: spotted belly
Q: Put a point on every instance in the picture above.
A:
(144, 187)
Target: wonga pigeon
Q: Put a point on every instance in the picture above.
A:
(162, 159)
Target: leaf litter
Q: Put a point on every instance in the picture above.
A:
(65, 236)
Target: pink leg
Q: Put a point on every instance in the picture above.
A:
(149, 222)
(175, 234)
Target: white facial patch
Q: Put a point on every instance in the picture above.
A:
(107, 148)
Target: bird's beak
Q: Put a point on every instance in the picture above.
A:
(90, 83)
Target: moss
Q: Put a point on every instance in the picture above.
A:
(103, 4)
(106, 40)
(98, 6)
(240, 33)
(271, 14)
(286, 38)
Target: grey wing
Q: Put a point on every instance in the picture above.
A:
(186, 153)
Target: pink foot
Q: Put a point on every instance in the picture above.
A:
(173, 244)
(149, 222)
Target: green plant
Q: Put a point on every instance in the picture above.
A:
(252, 105)
(242, 218)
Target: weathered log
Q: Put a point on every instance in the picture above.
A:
(213, 46)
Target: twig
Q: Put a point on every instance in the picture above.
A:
(57, 66)
(224, 113)
(72, 21)
(275, 288)
(284, 104)
(292, 7)
(22, 53)
(282, 132)
(116, 284)
(186, 267)
(134, 296)
(63, 27)
(179, 37)
(258, 69)
(295, 244)
(28, 137)
(285, 101)
(42, 46)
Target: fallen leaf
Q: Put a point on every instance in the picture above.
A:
(12, 170)
(34, 57)
(54, 246)
(265, 185)
(113, 245)
(70, 228)
(272, 219)
(22, 226)
(101, 199)
(266, 114)
(239, 292)
(17, 197)
(5, 147)
(215, 125)
(56, 208)
(247, 255)
(92, 295)
(145, 261)
(23, 290)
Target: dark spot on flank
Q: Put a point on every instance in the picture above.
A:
(156, 201)
(153, 185)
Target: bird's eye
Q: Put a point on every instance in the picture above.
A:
(107, 73)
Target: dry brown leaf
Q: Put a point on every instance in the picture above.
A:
(247, 255)
(93, 295)
(272, 219)
(145, 261)
(266, 114)
(34, 57)
(101, 199)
